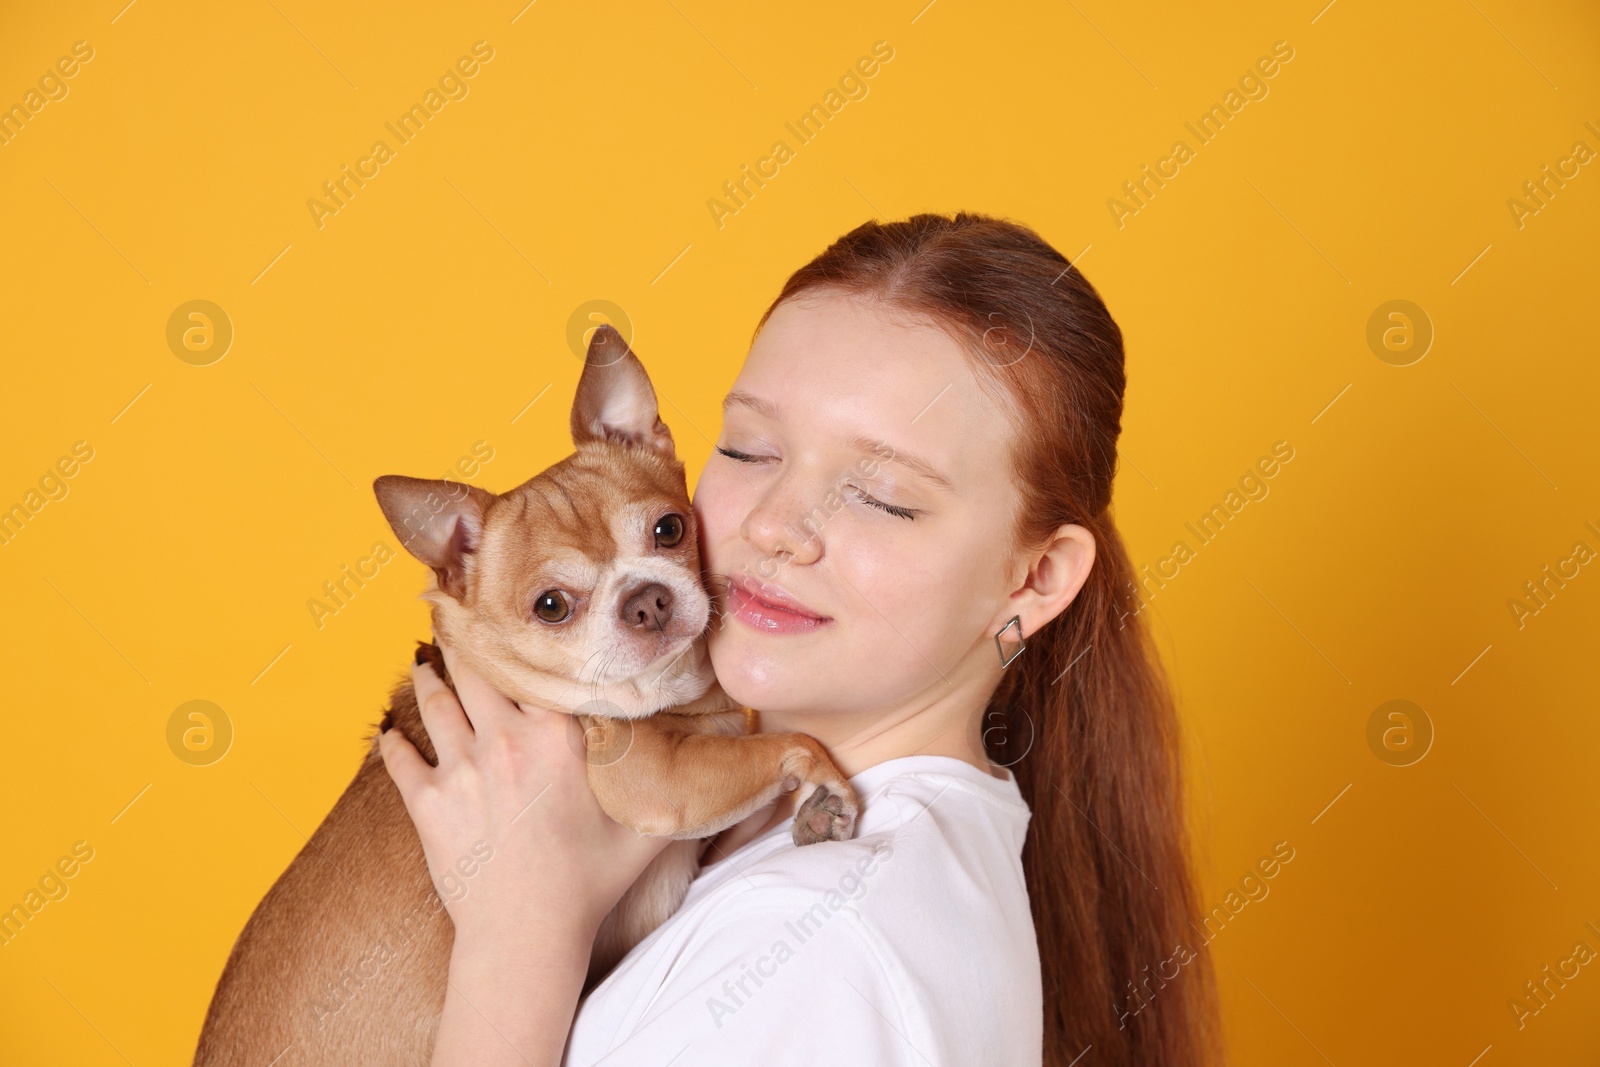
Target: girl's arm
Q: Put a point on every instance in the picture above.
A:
(527, 862)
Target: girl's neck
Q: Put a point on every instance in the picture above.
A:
(940, 728)
(947, 722)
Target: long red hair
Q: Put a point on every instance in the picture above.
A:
(1084, 717)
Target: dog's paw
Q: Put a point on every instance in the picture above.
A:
(826, 815)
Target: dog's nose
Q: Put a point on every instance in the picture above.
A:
(648, 608)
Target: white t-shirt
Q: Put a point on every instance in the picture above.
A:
(909, 945)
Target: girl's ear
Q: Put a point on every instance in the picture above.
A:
(615, 400)
(1053, 577)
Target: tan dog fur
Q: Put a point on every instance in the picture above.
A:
(344, 961)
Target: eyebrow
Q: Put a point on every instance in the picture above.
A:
(914, 463)
(755, 403)
(911, 462)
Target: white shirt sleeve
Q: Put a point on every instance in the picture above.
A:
(781, 984)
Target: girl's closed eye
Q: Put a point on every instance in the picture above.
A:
(881, 505)
(739, 457)
(862, 495)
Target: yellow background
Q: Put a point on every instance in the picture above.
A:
(430, 311)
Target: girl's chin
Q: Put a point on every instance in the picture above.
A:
(747, 683)
(754, 680)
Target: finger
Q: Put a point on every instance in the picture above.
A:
(442, 716)
(489, 710)
(534, 711)
(405, 764)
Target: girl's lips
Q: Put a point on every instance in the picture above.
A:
(763, 610)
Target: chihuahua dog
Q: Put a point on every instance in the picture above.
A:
(578, 590)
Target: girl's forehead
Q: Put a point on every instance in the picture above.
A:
(847, 354)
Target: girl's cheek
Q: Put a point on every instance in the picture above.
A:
(904, 574)
(720, 511)
(710, 504)
(871, 565)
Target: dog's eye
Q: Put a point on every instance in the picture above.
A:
(669, 530)
(552, 606)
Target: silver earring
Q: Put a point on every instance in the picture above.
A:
(1005, 660)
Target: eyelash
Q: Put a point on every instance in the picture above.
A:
(904, 513)
(892, 509)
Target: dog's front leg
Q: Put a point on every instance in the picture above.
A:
(663, 777)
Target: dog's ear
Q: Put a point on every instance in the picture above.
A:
(439, 522)
(615, 400)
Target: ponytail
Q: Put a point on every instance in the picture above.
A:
(1084, 720)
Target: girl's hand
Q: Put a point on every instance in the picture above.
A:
(519, 849)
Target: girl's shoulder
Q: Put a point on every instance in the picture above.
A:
(922, 818)
(932, 878)
(912, 939)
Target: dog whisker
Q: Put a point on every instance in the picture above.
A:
(588, 661)
(605, 666)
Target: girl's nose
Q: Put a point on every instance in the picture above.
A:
(781, 529)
